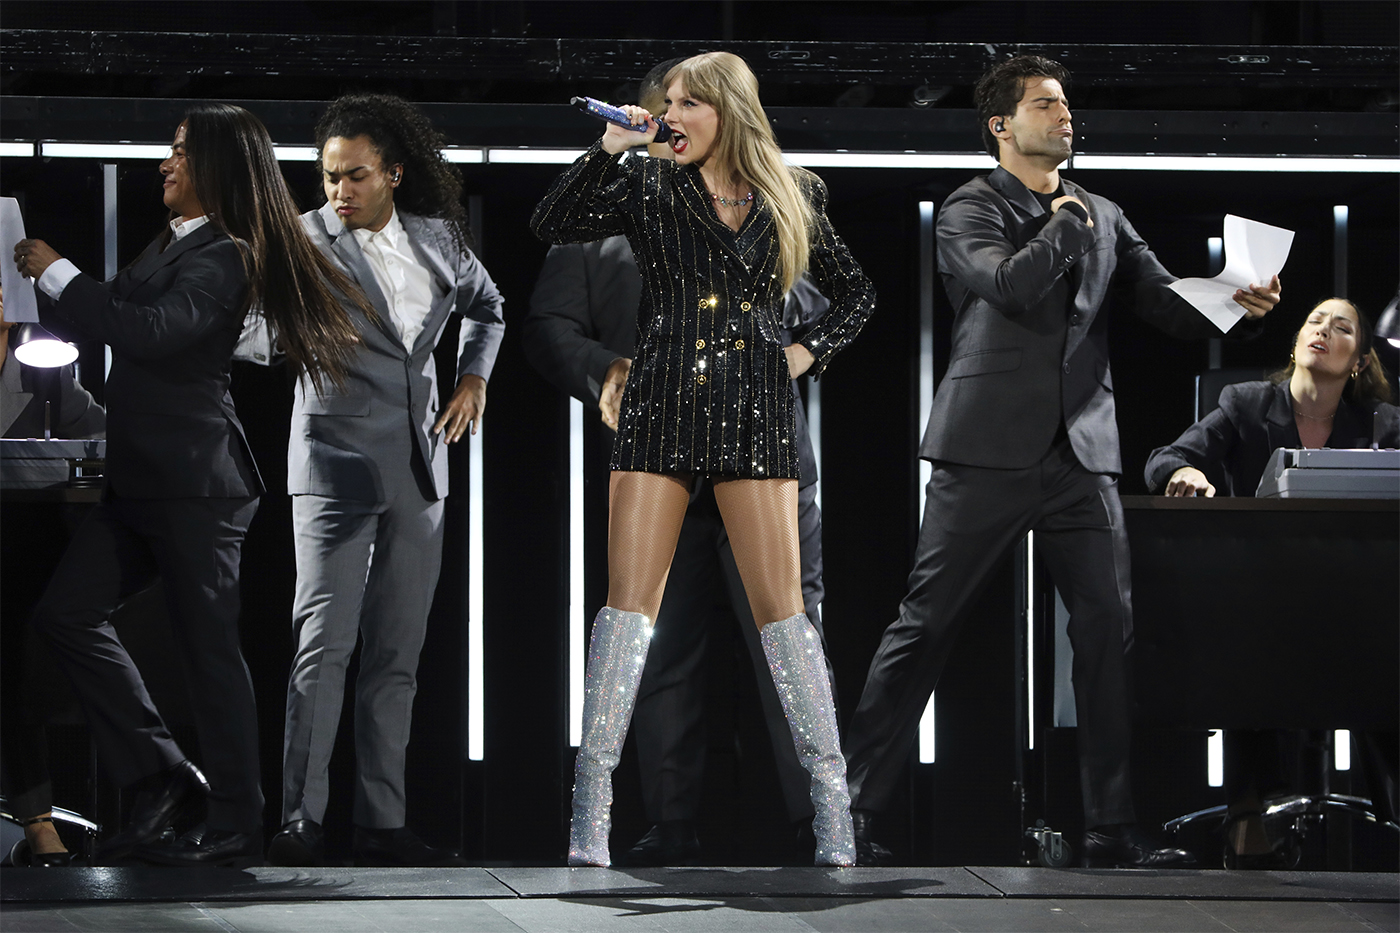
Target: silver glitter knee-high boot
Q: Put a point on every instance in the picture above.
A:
(616, 654)
(795, 657)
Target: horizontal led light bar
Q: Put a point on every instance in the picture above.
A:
(104, 150)
(889, 160)
(905, 160)
(1212, 163)
(294, 153)
(534, 156)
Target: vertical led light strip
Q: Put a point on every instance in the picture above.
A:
(1215, 758)
(109, 242)
(1215, 255)
(1341, 750)
(814, 427)
(1340, 214)
(927, 744)
(576, 622)
(476, 692)
(1030, 640)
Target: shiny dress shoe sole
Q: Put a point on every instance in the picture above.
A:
(1104, 851)
(184, 791)
(219, 848)
(299, 844)
(662, 847)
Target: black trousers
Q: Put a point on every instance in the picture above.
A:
(194, 546)
(972, 516)
(668, 719)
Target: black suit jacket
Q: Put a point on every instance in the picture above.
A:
(583, 316)
(1232, 444)
(172, 320)
(1030, 336)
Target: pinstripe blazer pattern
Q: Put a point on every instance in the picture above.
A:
(710, 389)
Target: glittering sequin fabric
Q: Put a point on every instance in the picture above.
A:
(795, 657)
(710, 390)
(616, 654)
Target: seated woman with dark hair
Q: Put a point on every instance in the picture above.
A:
(1333, 393)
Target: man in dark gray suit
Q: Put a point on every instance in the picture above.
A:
(1023, 436)
(580, 334)
(367, 467)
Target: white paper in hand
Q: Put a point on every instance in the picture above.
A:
(1254, 254)
(20, 306)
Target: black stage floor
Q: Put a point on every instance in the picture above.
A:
(347, 900)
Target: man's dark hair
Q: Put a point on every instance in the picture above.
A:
(1001, 88)
(402, 135)
(654, 84)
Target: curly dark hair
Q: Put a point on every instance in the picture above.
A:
(402, 135)
(1001, 88)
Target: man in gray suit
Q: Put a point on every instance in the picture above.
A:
(1022, 435)
(367, 467)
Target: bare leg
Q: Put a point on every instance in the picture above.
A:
(761, 519)
(645, 513)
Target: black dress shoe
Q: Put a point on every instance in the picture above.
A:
(1126, 846)
(178, 792)
(204, 846)
(667, 844)
(400, 847)
(869, 853)
(298, 844)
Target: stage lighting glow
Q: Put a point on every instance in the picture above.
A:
(534, 156)
(577, 649)
(471, 156)
(1215, 758)
(51, 150)
(476, 690)
(20, 150)
(1215, 163)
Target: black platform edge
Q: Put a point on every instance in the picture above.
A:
(149, 884)
(1189, 884)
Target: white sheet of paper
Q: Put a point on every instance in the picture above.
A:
(20, 305)
(1254, 254)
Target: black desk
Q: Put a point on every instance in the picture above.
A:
(1266, 613)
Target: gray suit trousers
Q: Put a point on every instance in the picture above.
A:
(366, 568)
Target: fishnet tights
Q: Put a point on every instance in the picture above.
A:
(645, 512)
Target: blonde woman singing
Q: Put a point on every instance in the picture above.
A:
(720, 235)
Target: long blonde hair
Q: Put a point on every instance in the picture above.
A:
(745, 143)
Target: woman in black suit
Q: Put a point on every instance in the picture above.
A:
(1333, 393)
(720, 235)
(181, 485)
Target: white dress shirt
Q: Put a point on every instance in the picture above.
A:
(406, 283)
(62, 271)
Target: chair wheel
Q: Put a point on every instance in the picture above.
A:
(1053, 851)
(19, 854)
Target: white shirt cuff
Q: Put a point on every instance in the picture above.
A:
(56, 277)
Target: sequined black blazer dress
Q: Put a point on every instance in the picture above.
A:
(710, 390)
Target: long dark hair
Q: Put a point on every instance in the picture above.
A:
(402, 135)
(1370, 385)
(240, 186)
